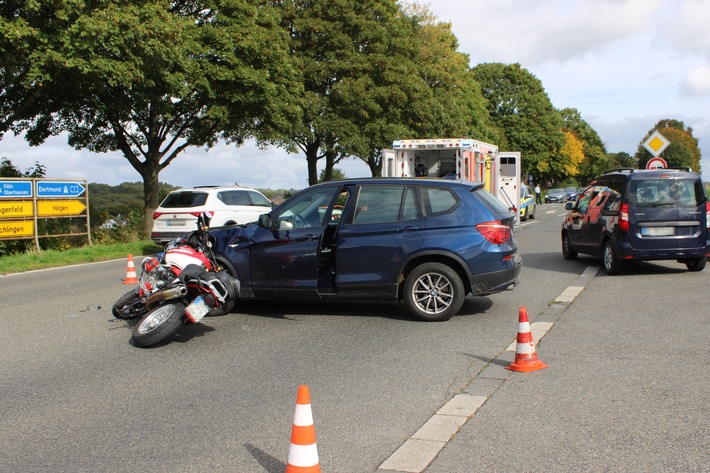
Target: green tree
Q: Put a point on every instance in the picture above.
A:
(595, 157)
(621, 160)
(520, 107)
(682, 151)
(7, 169)
(437, 95)
(336, 174)
(333, 46)
(148, 79)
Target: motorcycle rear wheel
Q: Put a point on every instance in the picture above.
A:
(159, 325)
(129, 306)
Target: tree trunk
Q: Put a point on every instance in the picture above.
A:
(151, 196)
(312, 160)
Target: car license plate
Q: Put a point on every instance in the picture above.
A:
(657, 231)
(175, 222)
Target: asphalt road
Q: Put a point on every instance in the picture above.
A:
(626, 388)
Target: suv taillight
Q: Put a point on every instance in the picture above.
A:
(624, 217)
(707, 214)
(495, 232)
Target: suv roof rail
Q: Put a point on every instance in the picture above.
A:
(205, 187)
(629, 170)
(681, 168)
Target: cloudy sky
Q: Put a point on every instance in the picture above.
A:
(624, 64)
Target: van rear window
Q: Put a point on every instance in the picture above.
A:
(666, 193)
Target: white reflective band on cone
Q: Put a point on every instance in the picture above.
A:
(525, 348)
(303, 455)
(303, 415)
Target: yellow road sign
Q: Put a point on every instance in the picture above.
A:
(51, 208)
(656, 143)
(16, 208)
(10, 230)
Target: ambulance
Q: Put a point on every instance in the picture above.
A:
(458, 158)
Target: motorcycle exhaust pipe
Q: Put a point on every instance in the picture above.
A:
(164, 295)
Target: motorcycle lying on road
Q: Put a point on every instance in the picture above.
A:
(181, 285)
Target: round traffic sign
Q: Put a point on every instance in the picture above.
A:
(656, 163)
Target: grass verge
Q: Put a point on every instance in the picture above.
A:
(87, 254)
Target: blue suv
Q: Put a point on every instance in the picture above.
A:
(424, 242)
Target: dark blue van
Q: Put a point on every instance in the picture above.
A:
(629, 214)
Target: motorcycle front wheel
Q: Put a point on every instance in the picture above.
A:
(159, 325)
(129, 306)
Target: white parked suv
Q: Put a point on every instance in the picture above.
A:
(177, 214)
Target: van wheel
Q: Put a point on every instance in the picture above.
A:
(433, 292)
(567, 251)
(612, 265)
(697, 264)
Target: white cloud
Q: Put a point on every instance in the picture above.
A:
(696, 82)
(624, 64)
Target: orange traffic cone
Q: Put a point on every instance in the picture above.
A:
(525, 355)
(131, 277)
(303, 453)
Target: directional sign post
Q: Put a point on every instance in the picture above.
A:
(53, 208)
(59, 189)
(16, 208)
(26, 204)
(16, 189)
(21, 229)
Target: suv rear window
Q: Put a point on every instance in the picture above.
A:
(184, 199)
(492, 201)
(666, 192)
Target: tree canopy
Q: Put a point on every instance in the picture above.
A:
(148, 79)
(520, 107)
(683, 150)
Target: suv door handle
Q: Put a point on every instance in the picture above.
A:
(309, 237)
(408, 228)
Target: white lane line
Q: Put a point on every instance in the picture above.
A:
(417, 452)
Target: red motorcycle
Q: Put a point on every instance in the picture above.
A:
(180, 285)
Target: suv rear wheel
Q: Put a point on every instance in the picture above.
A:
(612, 265)
(433, 292)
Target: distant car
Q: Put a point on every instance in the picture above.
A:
(640, 215)
(555, 195)
(178, 212)
(570, 193)
(425, 242)
(527, 203)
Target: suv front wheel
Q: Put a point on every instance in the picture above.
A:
(433, 292)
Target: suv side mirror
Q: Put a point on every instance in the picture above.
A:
(569, 205)
(264, 221)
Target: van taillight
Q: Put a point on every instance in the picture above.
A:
(495, 232)
(707, 214)
(624, 217)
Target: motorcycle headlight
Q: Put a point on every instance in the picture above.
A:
(150, 264)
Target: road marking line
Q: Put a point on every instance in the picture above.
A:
(417, 452)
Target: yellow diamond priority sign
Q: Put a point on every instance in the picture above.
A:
(656, 143)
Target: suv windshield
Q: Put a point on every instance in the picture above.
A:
(666, 192)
